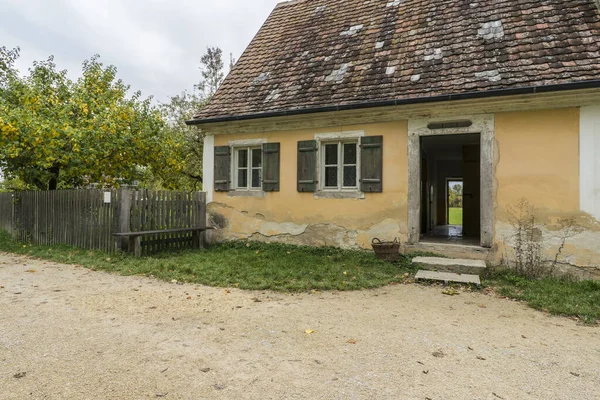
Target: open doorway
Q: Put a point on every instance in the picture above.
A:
(450, 190)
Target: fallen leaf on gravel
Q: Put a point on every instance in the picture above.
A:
(482, 306)
(31, 271)
(309, 331)
(481, 358)
(438, 354)
(351, 341)
(205, 369)
(174, 281)
(256, 300)
(20, 375)
(426, 372)
(189, 297)
(226, 291)
(524, 337)
(574, 374)
(161, 394)
(218, 387)
(450, 292)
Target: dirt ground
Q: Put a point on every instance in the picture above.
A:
(70, 333)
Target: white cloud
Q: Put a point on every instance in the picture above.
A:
(155, 44)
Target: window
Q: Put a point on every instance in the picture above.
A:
(339, 162)
(248, 168)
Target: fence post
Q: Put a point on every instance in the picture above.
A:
(198, 238)
(124, 217)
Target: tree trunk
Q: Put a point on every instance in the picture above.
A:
(54, 171)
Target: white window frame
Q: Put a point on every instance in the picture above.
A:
(249, 168)
(339, 137)
(249, 145)
(340, 165)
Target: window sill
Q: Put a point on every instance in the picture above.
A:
(351, 194)
(246, 193)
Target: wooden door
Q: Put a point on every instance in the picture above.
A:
(471, 190)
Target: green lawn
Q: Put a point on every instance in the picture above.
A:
(287, 268)
(455, 216)
(238, 264)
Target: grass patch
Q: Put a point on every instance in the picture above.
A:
(455, 216)
(556, 296)
(286, 268)
(252, 266)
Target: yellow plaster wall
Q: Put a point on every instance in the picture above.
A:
(387, 209)
(538, 159)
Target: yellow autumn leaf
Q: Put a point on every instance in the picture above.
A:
(309, 331)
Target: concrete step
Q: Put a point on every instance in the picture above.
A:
(448, 277)
(452, 250)
(458, 266)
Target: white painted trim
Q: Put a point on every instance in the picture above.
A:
(339, 135)
(589, 160)
(208, 167)
(246, 143)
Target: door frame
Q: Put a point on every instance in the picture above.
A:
(482, 124)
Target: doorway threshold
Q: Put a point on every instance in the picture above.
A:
(452, 250)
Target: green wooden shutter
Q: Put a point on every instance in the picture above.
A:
(307, 166)
(371, 164)
(271, 167)
(222, 168)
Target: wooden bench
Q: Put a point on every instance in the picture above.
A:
(135, 238)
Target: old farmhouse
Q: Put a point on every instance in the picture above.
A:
(349, 120)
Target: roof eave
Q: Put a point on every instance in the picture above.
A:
(590, 84)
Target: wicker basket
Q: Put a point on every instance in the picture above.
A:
(389, 251)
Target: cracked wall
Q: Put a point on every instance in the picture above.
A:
(302, 218)
(536, 158)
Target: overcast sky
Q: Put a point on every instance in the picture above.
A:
(155, 44)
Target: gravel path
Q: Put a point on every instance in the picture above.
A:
(71, 333)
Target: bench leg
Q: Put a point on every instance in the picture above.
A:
(135, 245)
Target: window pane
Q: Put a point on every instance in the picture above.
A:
(256, 177)
(242, 158)
(350, 153)
(331, 154)
(350, 176)
(242, 178)
(331, 176)
(256, 157)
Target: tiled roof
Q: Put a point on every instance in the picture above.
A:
(319, 53)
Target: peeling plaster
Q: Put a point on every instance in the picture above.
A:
(580, 256)
(236, 225)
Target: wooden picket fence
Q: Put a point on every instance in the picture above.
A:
(89, 218)
(7, 211)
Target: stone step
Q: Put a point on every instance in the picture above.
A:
(458, 266)
(448, 277)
